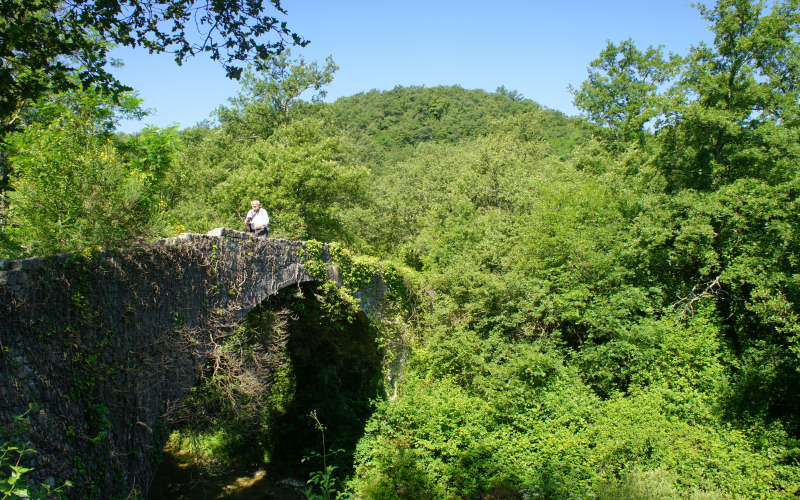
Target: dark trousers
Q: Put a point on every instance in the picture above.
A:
(263, 232)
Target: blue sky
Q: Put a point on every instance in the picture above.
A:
(537, 47)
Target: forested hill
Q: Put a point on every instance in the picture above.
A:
(409, 116)
(606, 307)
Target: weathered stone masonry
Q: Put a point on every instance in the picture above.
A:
(101, 346)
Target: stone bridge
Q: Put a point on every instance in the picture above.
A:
(95, 349)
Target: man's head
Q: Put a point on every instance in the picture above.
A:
(255, 204)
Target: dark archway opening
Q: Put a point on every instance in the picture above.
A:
(245, 429)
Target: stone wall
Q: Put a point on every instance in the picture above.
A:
(95, 349)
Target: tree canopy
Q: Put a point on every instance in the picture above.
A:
(44, 42)
(269, 88)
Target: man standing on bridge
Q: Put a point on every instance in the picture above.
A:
(257, 220)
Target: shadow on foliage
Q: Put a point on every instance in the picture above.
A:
(764, 389)
(304, 350)
(337, 371)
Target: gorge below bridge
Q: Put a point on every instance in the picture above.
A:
(96, 349)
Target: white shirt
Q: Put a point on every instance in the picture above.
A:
(259, 219)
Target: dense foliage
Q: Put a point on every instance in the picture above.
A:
(608, 306)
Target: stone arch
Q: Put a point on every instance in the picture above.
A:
(95, 348)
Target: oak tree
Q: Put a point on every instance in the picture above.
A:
(43, 43)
